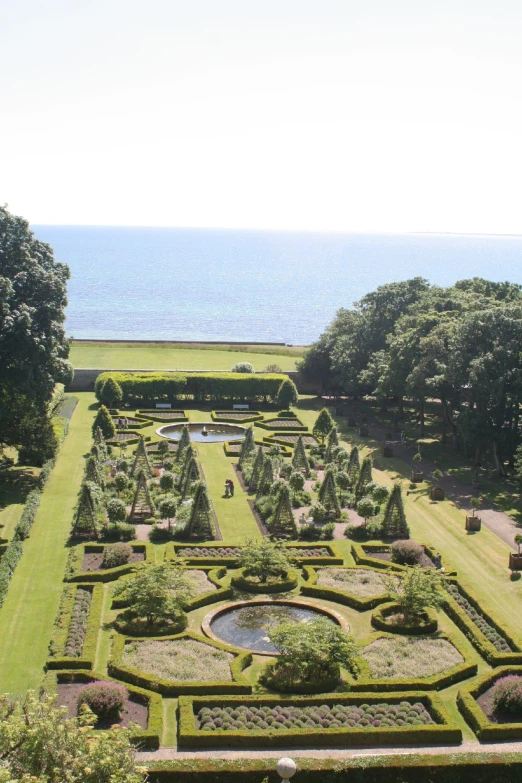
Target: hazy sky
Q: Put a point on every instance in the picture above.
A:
(366, 115)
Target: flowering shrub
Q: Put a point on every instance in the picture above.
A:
(76, 633)
(218, 551)
(489, 632)
(507, 695)
(105, 699)
(342, 716)
(407, 552)
(116, 555)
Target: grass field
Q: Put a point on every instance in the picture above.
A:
(179, 356)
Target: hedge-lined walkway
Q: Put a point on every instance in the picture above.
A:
(28, 613)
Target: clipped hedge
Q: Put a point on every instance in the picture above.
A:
(365, 682)
(429, 623)
(311, 588)
(213, 596)
(198, 386)
(361, 553)
(145, 739)
(73, 572)
(485, 730)
(232, 417)
(154, 414)
(239, 683)
(271, 424)
(178, 550)
(444, 730)
(331, 556)
(58, 659)
(233, 447)
(286, 439)
(285, 584)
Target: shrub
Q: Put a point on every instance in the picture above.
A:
(415, 592)
(111, 393)
(116, 555)
(242, 367)
(122, 531)
(168, 464)
(105, 699)
(297, 481)
(264, 559)
(406, 552)
(120, 480)
(287, 394)
(507, 695)
(116, 510)
(104, 421)
(318, 512)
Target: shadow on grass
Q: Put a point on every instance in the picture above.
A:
(15, 485)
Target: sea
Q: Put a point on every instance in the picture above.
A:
(259, 286)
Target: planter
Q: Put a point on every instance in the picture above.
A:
(437, 493)
(380, 620)
(387, 451)
(515, 561)
(417, 476)
(363, 431)
(473, 523)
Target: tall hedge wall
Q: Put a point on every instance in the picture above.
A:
(198, 386)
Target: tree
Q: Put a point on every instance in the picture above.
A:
(104, 421)
(394, 523)
(155, 593)
(167, 508)
(365, 477)
(283, 522)
(183, 442)
(267, 478)
(419, 589)
(287, 394)
(99, 441)
(296, 481)
(189, 476)
(247, 447)
(299, 459)
(323, 424)
(33, 346)
(242, 367)
(313, 651)
(264, 559)
(167, 481)
(111, 393)
(354, 463)
(380, 493)
(366, 508)
(201, 524)
(116, 511)
(328, 493)
(257, 470)
(333, 441)
(92, 472)
(475, 504)
(40, 742)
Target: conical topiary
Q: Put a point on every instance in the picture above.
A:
(85, 521)
(267, 478)
(299, 459)
(328, 494)
(365, 477)
(201, 524)
(104, 421)
(283, 522)
(111, 393)
(100, 442)
(183, 442)
(257, 470)
(247, 446)
(354, 461)
(333, 441)
(92, 472)
(394, 524)
(142, 505)
(141, 460)
(189, 476)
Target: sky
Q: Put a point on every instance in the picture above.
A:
(335, 115)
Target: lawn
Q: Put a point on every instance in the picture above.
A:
(180, 356)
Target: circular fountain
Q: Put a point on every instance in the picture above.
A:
(204, 432)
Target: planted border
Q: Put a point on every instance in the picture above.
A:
(290, 582)
(85, 660)
(178, 550)
(486, 730)
(232, 448)
(361, 557)
(271, 424)
(444, 730)
(239, 683)
(215, 574)
(287, 439)
(155, 414)
(332, 555)
(311, 588)
(428, 625)
(236, 417)
(73, 572)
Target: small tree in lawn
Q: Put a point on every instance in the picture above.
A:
(287, 394)
(111, 393)
(167, 509)
(257, 470)
(366, 509)
(394, 523)
(333, 441)
(299, 459)
(419, 589)
(323, 425)
(183, 442)
(283, 522)
(247, 446)
(475, 504)
(311, 652)
(365, 477)
(116, 511)
(141, 460)
(200, 524)
(104, 421)
(150, 594)
(328, 493)
(264, 559)
(267, 478)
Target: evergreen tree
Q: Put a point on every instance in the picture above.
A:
(257, 470)
(142, 505)
(394, 524)
(299, 459)
(201, 524)
(104, 421)
(354, 461)
(328, 493)
(283, 522)
(365, 477)
(141, 460)
(287, 394)
(92, 472)
(100, 442)
(267, 479)
(247, 446)
(183, 442)
(111, 393)
(190, 475)
(323, 425)
(333, 441)
(85, 521)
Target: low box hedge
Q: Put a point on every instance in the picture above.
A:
(361, 553)
(73, 572)
(365, 682)
(332, 555)
(311, 588)
(379, 620)
(145, 739)
(486, 730)
(444, 730)
(154, 414)
(240, 582)
(178, 550)
(236, 417)
(272, 424)
(238, 684)
(58, 660)
(281, 441)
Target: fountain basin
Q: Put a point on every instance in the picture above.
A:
(246, 624)
(216, 432)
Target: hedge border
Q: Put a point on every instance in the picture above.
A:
(378, 620)
(214, 573)
(266, 424)
(340, 596)
(363, 558)
(146, 739)
(139, 425)
(144, 413)
(174, 550)
(444, 730)
(74, 574)
(290, 582)
(437, 682)
(334, 558)
(238, 684)
(60, 631)
(252, 416)
(485, 730)
(288, 444)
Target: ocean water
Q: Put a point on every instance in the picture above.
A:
(203, 284)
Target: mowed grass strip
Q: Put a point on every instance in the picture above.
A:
(174, 356)
(28, 613)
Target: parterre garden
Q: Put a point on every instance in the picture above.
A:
(415, 658)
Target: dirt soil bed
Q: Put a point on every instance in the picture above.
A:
(92, 560)
(133, 712)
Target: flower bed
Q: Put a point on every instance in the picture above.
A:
(474, 704)
(200, 582)
(361, 582)
(77, 559)
(386, 618)
(284, 584)
(286, 439)
(75, 632)
(409, 657)
(155, 414)
(205, 555)
(314, 554)
(235, 416)
(283, 424)
(78, 623)
(492, 635)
